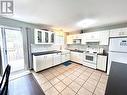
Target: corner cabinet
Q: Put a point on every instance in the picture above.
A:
(43, 37)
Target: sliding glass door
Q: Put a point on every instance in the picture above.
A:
(13, 48)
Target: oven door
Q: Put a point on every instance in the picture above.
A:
(91, 58)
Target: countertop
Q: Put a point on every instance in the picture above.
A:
(45, 52)
(81, 51)
(117, 81)
(103, 54)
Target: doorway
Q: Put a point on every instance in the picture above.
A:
(13, 48)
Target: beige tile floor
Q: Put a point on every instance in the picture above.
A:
(74, 79)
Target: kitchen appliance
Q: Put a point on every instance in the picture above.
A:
(90, 57)
(77, 41)
(117, 51)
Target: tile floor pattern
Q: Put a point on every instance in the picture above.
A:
(74, 79)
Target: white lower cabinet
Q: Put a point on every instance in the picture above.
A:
(42, 62)
(65, 57)
(77, 57)
(101, 62)
(57, 59)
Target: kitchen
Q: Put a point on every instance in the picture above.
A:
(76, 53)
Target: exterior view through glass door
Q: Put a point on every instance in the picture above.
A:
(14, 48)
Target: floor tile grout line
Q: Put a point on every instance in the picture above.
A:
(68, 85)
(97, 84)
(84, 83)
(58, 82)
(65, 84)
(72, 73)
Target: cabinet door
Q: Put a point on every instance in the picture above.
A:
(125, 31)
(118, 32)
(46, 37)
(101, 62)
(38, 36)
(52, 37)
(73, 56)
(104, 37)
(63, 58)
(39, 63)
(57, 59)
(83, 38)
(77, 57)
(67, 56)
(59, 40)
(80, 56)
(69, 39)
(92, 36)
(115, 32)
(49, 60)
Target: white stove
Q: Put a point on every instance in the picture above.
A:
(90, 57)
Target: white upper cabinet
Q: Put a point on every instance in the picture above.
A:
(51, 37)
(84, 38)
(70, 39)
(118, 32)
(59, 40)
(92, 37)
(104, 37)
(43, 37)
(77, 36)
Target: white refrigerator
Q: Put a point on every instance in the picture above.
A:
(117, 51)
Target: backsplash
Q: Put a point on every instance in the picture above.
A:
(83, 47)
(45, 47)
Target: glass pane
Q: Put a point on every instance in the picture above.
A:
(89, 58)
(39, 37)
(15, 53)
(46, 37)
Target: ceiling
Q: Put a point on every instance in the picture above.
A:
(65, 14)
